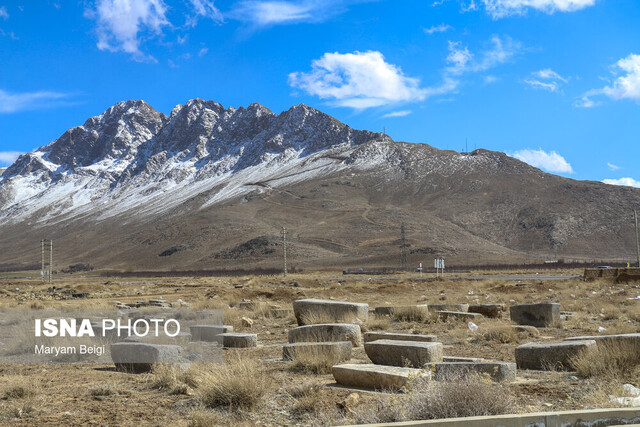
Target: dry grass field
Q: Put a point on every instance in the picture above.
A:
(255, 387)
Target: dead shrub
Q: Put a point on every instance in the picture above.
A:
(18, 387)
(502, 334)
(608, 360)
(610, 312)
(308, 398)
(236, 384)
(315, 317)
(411, 314)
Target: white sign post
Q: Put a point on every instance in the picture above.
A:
(420, 270)
(438, 263)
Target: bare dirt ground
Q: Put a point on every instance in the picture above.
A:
(57, 394)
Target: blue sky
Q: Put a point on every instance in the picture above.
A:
(553, 82)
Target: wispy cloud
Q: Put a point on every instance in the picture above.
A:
(203, 9)
(8, 157)
(546, 79)
(203, 51)
(499, 51)
(613, 167)
(358, 80)
(265, 13)
(629, 182)
(442, 28)
(15, 102)
(626, 83)
(3, 13)
(549, 161)
(401, 113)
(502, 8)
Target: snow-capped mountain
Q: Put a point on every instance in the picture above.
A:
(211, 187)
(132, 156)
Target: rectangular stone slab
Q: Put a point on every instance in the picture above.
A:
(493, 311)
(462, 359)
(373, 336)
(140, 357)
(209, 333)
(449, 307)
(329, 310)
(374, 376)
(459, 315)
(550, 355)
(632, 340)
(498, 371)
(399, 353)
(338, 351)
(539, 315)
(238, 340)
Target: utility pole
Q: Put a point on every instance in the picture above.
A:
(635, 217)
(50, 259)
(42, 259)
(284, 249)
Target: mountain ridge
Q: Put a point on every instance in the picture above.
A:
(161, 180)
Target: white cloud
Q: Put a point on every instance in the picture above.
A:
(442, 28)
(551, 161)
(204, 9)
(263, 13)
(121, 21)
(401, 113)
(358, 80)
(629, 182)
(3, 13)
(613, 167)
(546, 79)
(501, 8)
(14, 102)
(8, 157)
(585, 102)
(202, 52)
(628, 85)
(625, 86)
(500, 51)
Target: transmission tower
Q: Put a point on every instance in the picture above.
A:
(45, 269)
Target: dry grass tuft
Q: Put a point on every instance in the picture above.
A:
(309, 398)
(315, 317)
(610, 312)
(608, 360)
(501, 334)
(411, 314)
(458, 396)
(376, 323)
(172, 378)
(311, 360)
(18, 387)
(236, 384)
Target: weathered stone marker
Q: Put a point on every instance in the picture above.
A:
(373, 336)
(308, 310)
(458, 315)
(338, 351)
(624, 340)
(544, 356)
(140, 357)
(539, 315)
(374, 376)
(498, 371)
(493, 311)
(209, 333)
(449, 307)
(237, 340)
(401, 353)
(326, 332)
